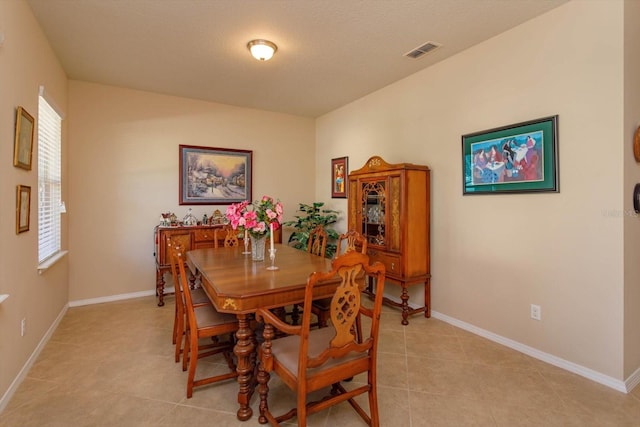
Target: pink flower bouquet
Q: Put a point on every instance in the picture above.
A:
(256, 217)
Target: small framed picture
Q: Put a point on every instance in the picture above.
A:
(518, 158)
(23, 208)
(339, 172)
(23, 146)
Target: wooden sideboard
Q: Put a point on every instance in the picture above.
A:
(389, 205)
(190, 237)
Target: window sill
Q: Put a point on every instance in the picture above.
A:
(3, 297)
(48, 263)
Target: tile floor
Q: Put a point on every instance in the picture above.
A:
(112, 365)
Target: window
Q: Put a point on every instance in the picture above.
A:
(49, 180)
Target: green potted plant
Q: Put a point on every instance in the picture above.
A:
(313, 215)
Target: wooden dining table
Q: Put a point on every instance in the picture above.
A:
(236, 284)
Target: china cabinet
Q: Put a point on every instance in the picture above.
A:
(389, 204)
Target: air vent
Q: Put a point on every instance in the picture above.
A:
(420, 51)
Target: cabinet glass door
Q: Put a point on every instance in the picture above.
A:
(374, 203)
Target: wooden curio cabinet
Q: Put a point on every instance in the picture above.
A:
(389, 205)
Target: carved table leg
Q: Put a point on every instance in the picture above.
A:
(244, 349)
(405, 304)
(160, 287)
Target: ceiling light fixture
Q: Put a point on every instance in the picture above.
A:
(262, 50)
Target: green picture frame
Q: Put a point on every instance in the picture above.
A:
(518, 158)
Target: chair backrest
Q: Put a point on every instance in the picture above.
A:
(352, 240)
(317, 243)
(174, 250)
(228, 235)
(351, 269)
(183, 292)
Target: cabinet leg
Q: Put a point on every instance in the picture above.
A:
(160, 287)
(427, 298)
(404, 296)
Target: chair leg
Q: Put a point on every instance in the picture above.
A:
(179, 337)
(322, 319)
(193, 363)
(295, 314)
(302, 408)
(373, 404)
(187, 347)
(175, 325)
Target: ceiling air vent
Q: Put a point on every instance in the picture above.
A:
(421, 50)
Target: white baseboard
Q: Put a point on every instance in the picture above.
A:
(633, 380)
(118, 297)
(25, 369)
(622, 386)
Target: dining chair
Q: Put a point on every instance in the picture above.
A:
(352, 240)
(198, 295)
(317, 245)
(204, 322)
(309, 360)
(228, 235)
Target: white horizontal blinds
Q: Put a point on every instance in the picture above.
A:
(49, 180)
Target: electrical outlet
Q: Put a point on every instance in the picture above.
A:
(23, 327)
(536, 312)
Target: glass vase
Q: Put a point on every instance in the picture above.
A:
(257, 247)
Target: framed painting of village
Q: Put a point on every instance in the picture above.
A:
(518, 158)
(214, 176)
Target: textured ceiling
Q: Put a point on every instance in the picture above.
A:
(330, 52)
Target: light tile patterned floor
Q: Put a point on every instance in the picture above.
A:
(112, 365)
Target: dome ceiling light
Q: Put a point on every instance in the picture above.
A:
(261, 49)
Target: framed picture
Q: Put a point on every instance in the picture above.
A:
(339, 172)
(23, 208)
(214, 176)
(23, 145)
(518, 158)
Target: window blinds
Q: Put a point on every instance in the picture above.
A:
(49, 180)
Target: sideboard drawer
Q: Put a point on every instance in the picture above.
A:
(204, 235)
(392, 263)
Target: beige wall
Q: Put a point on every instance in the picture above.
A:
(631, 178)
(574, 253)
(26, 62)
(493, 256)
(124, 173)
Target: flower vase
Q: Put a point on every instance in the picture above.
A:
(257, 247)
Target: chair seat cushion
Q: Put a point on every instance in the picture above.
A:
(198, 296)
(207, 315)
(286, 351)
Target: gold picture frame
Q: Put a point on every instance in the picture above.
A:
(23, 208)
(23, 145)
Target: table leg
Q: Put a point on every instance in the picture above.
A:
(244, 350)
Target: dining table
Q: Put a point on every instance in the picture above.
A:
(238, 285)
